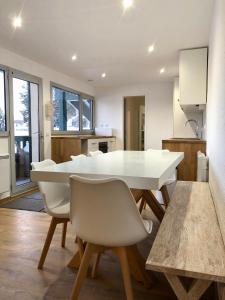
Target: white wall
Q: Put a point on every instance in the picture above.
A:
(158, 107)
(180, 118)
(216, 110)
(18, 62)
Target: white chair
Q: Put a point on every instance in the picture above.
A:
(56, 198)
(104, 214)
(75, 157)
(95, 153)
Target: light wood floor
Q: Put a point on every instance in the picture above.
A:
(22, 235)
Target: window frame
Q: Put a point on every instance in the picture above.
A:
(5, 69)
(81, 96)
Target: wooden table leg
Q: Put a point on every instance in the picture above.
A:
(165, 195)
(154, 204)
(196, 290)
(137, 194)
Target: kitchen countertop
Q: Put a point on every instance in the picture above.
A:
(82, 137)
(185, 140)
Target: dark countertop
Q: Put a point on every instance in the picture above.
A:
(185, 140)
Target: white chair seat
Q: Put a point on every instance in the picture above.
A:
(148, 225)
(60, 211)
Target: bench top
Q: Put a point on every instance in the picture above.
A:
(189, 241)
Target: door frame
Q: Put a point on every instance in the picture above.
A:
(36, 80)
(124, 120)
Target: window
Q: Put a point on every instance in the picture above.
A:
(72, 111)
(87, 114)
(3, 127)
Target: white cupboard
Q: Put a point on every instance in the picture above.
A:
(193, 78)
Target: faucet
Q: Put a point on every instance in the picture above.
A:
(196, 128)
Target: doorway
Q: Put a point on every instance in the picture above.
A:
(25, 128)
(134, 123)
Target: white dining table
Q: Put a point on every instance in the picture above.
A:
(141, 170)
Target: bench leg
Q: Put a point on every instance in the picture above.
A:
(195, 292)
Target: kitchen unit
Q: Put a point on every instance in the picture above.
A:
(63, 146)
(193, 78)
(187, 170)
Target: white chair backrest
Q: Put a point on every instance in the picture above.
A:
(53, 193)
(75, 157)
(95, 153)
(104, 212)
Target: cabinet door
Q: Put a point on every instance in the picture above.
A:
(70, 146)
(111, 145)
(193, 76)
(56, 150)
(63, 148)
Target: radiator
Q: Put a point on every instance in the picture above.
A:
(4, 173)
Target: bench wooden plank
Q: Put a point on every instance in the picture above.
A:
(189, 241)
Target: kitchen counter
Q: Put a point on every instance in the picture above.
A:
(185, 140)
(81, 137)
(187, 169)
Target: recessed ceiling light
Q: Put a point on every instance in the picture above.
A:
(17, 22)
(127, 4)
(103, 75)
(162, 70)
(74, 57)
(151, 48)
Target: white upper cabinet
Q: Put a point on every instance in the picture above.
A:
(193, 78)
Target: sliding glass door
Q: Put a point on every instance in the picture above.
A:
(25, 128)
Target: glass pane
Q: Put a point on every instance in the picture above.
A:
(66, 110)
(22, 143)
(2, 102)
(87, 114)
(72, 111)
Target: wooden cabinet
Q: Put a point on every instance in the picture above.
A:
(63, 147)
(187, 169)
(193, 77)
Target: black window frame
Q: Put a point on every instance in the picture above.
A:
(81, 96)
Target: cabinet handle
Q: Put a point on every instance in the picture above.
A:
(94, 143)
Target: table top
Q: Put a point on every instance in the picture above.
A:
(140, 169)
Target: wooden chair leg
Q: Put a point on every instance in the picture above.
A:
(122, 254)
(95, 265)
(89, 250)
(81, 247)
(137, 266)
(47, 242)
(64, 234)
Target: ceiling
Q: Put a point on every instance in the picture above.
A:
(105, 38)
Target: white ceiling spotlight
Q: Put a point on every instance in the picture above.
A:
(151, 48)
(127, 4)
(162, 70)
(17, 22)
(103, 75)
(74, 57)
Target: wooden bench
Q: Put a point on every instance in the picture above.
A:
(189, 242)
